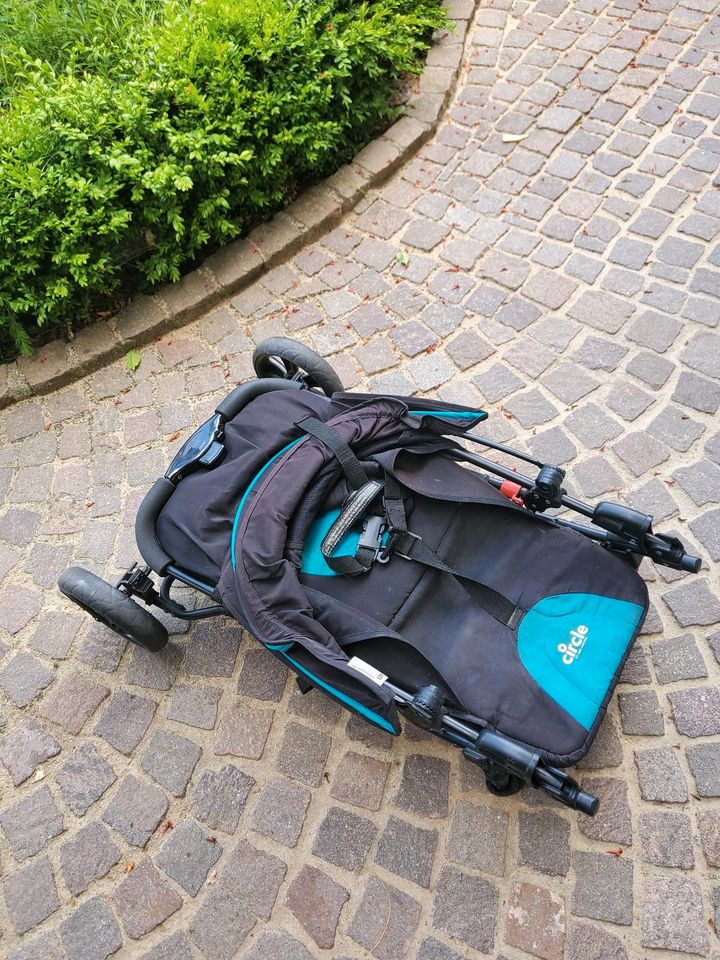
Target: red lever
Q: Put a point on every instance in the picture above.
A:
(512, 492)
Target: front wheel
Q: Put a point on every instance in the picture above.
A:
(113, 608)
(289, 360)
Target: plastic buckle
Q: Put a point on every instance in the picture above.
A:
(371, 536)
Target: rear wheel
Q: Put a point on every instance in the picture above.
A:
(113, 608)
(289, 360)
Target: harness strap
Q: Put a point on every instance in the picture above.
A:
(411, 547)
(350, 464)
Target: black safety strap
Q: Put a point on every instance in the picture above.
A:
(350, 464)
(411, 547)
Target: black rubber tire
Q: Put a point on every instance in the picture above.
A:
(514, 785)
(113, 608)
(299, 363)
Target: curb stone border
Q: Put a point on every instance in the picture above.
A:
(238, 264)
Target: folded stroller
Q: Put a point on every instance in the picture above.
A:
(361, 543)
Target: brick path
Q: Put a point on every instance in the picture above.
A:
(570, 282)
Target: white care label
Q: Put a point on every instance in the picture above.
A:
(367, 671)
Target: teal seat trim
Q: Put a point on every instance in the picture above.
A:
(572, 645)
(450, 414)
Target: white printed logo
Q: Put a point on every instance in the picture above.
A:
(574, 647)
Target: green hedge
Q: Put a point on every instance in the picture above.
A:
(169, 126)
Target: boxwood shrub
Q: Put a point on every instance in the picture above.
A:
(167, 127)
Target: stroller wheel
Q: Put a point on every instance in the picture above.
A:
(113, 608)
(290, 360)
(504, 786)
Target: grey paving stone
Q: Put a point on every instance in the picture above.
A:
(407, 850)
(468, 348)
(242, 731)
(275, 943)
(696, 711)
(552, 446)
(91, 932)
(46, 946)
(709, 827)
(470, 821)
(135, 810)
(360, 780)
(466, 908)
(143, 900)
(30, 895)
(255, 876)
(188, 854)
(673, 916)
(660, 776)
(603, 888)
(424, 786)
(84, 778)
(221, 924)
(344, 838)
(125, 720)
(632, 254)
(518, 313)
(170, 761)
(650, 368)
(219, 797)
(174, 947)
(678, 659)
(316, 901)
(87, 856)
(530, 408)
(212, 651)
(31, 823)
(72, 701)
(23, 677)
(497, 382)
(693, 603)
(544, 842)
(697, 392)
(676, 428)
(666, 839)
(25, 748)
(432, 949)
(701, 482)
(602, 311)
(195, 706)
(586, 941)
(612, 822)
(640, 713)
(569, 383)
(599, 354)
(704, 762)
(280, 811)
(640, 452)
(154, 671)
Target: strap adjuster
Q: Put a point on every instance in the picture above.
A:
(402, 535)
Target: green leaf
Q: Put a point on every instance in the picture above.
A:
(132, 360)
(402, 257)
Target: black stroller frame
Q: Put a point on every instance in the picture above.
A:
(507, 764)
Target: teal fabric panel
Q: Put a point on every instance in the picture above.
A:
(313, 562)
(572, 644)
(450, 414)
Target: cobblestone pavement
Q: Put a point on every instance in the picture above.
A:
(568, 281)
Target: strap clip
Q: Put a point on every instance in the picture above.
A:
(371, 537)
